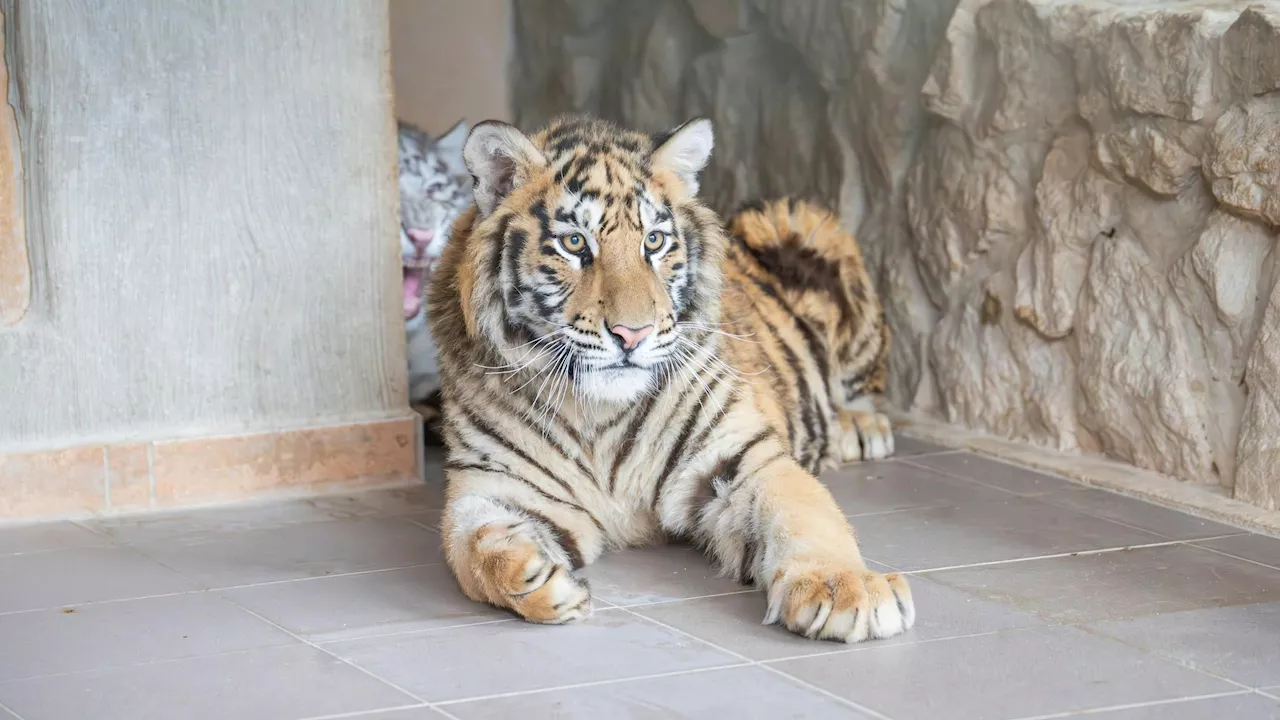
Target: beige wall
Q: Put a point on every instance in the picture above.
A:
(449, 60)
(212, 222)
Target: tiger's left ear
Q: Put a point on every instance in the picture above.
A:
(686, 151)
(500, 158)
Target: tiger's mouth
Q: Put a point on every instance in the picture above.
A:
(413, 280)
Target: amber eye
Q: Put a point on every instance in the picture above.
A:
(654, 241)
(573, 243)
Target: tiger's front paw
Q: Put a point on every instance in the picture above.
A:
(866, 436)
(823, 601)
(519, 572)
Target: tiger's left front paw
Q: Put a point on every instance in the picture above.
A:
(822, 601)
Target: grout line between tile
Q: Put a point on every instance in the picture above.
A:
(593, 683)
(419, 631)
(1091, 628)
(339, 658)
(856, 516)
(424, 631)
(11, 711)
(1133, 706)
(369, 713)
(202, 589)
(755, 663)
(952, 476)
(652, 603)
(1100, 551)
(353, 573)
(102, 602)
(146, 663)
(1227, 554)
(870, 645)
(928, 453)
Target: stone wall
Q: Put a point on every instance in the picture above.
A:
(1071, 206)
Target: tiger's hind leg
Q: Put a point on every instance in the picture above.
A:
(514, 558)
(866, 434)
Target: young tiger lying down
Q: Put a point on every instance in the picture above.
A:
(617, 368)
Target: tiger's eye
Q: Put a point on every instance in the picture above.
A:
(573, 243)
(655, 241)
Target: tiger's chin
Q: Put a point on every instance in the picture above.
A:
(614, 385)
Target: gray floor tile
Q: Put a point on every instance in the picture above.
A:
(376, 603)
(907, 446)
(47, 536)
(415, 713)
(740, 693)
(70, 577)
(657, 574)
(462, 662)
(207, 524)
(1233, 707)
(1117, 585)
(880, 487)
(987, 532)
(426, 498)
(1013, 478)
(1163, 521)
(287, 682)
(301, 551)
(733, 622)
(1014, 674)
(1258, 548)
(95, 637)
(423, 504)
(1240, 643)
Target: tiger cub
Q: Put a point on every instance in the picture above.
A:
(618, 368)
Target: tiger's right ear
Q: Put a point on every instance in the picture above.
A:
(500, 158)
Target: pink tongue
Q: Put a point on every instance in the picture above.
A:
(412, 292)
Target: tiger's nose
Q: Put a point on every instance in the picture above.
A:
(629, 337)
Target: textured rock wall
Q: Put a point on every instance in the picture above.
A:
(1071, 206)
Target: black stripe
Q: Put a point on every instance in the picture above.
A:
(740, 480)
(498, 242)
(810, 404)
(510, 409)
(725, 470)
(474, 467)
(565, 539)
(609, 424)
(493, 434)
(677, 453)
(746, 571)
(629, 440)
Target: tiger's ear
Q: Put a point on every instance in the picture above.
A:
(500, 158)
(686, 151)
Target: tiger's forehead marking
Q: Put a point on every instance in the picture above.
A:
(601, 179)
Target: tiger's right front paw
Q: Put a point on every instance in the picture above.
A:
(520, 573)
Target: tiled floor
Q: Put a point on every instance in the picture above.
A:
(1037, 598)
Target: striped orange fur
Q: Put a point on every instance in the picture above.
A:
(618, 368)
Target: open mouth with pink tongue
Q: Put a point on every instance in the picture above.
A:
(418, 269)
(413, 279)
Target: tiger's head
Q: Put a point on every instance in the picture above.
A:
(590, 255)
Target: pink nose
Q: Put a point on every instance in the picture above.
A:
(630, 337)
(421, 238)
